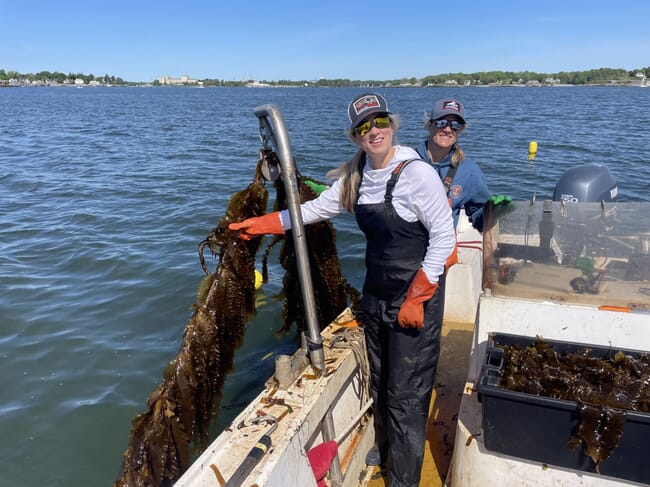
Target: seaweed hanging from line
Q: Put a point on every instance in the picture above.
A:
(181, 408)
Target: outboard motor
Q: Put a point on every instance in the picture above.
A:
(587, 183)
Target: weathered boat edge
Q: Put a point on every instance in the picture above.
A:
(299, 411)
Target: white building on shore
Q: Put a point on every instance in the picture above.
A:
(183, 80)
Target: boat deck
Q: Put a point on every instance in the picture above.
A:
(451, 377)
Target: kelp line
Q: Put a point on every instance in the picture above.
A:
(332, 292)
(180, 409)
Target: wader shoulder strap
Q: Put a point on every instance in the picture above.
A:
(390, 185)
(449, 177)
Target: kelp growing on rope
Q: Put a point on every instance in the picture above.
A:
(332, 292)
(180, 409)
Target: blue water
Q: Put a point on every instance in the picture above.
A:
(106, 192)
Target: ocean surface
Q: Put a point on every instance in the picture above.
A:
(106, 192)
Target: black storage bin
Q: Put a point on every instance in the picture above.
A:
(538, 428)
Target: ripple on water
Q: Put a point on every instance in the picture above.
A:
(106, 194)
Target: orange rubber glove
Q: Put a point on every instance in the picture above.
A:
(412, 311)
(259, 225)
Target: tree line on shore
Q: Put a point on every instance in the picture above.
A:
(47, 77)
(592, 76)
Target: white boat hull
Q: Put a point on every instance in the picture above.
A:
(585, 282)
(474, 465)
(300, 411)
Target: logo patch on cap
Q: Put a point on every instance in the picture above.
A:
(451, 105)
(365, 103)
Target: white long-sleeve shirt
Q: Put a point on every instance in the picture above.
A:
(418, 195)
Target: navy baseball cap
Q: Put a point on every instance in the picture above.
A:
(447, 106)
(364, 105)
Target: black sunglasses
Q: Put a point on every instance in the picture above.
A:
(443, 122)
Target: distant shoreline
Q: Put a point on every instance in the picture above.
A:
(591, 77)
(149, 85)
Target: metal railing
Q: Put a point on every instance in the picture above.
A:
(273, 131)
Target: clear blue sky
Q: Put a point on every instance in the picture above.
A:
(311, 39)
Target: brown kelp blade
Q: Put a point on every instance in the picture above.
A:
(179, 410)
(332, 292)
(604, 388)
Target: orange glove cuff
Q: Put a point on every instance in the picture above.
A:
(412, 311)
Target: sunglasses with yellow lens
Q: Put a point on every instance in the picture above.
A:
(379, 122)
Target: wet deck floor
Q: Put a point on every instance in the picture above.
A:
(453, 365)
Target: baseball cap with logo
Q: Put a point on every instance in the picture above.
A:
(447, 106)
(364, 105)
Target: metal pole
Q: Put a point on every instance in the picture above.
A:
(272, 121)
(280, 139)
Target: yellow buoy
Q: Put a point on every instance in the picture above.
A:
(532, 150)
(258, 279)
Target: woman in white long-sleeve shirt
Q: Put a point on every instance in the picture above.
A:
(400, 205)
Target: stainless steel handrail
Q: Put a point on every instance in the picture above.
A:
(272, 121)
(273, 129)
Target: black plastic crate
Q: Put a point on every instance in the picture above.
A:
(538, 428)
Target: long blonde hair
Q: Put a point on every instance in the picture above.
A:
(351, 170)
(350, 174)
(458, 156)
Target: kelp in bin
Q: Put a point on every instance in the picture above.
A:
(604, 389)
(180, 409)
